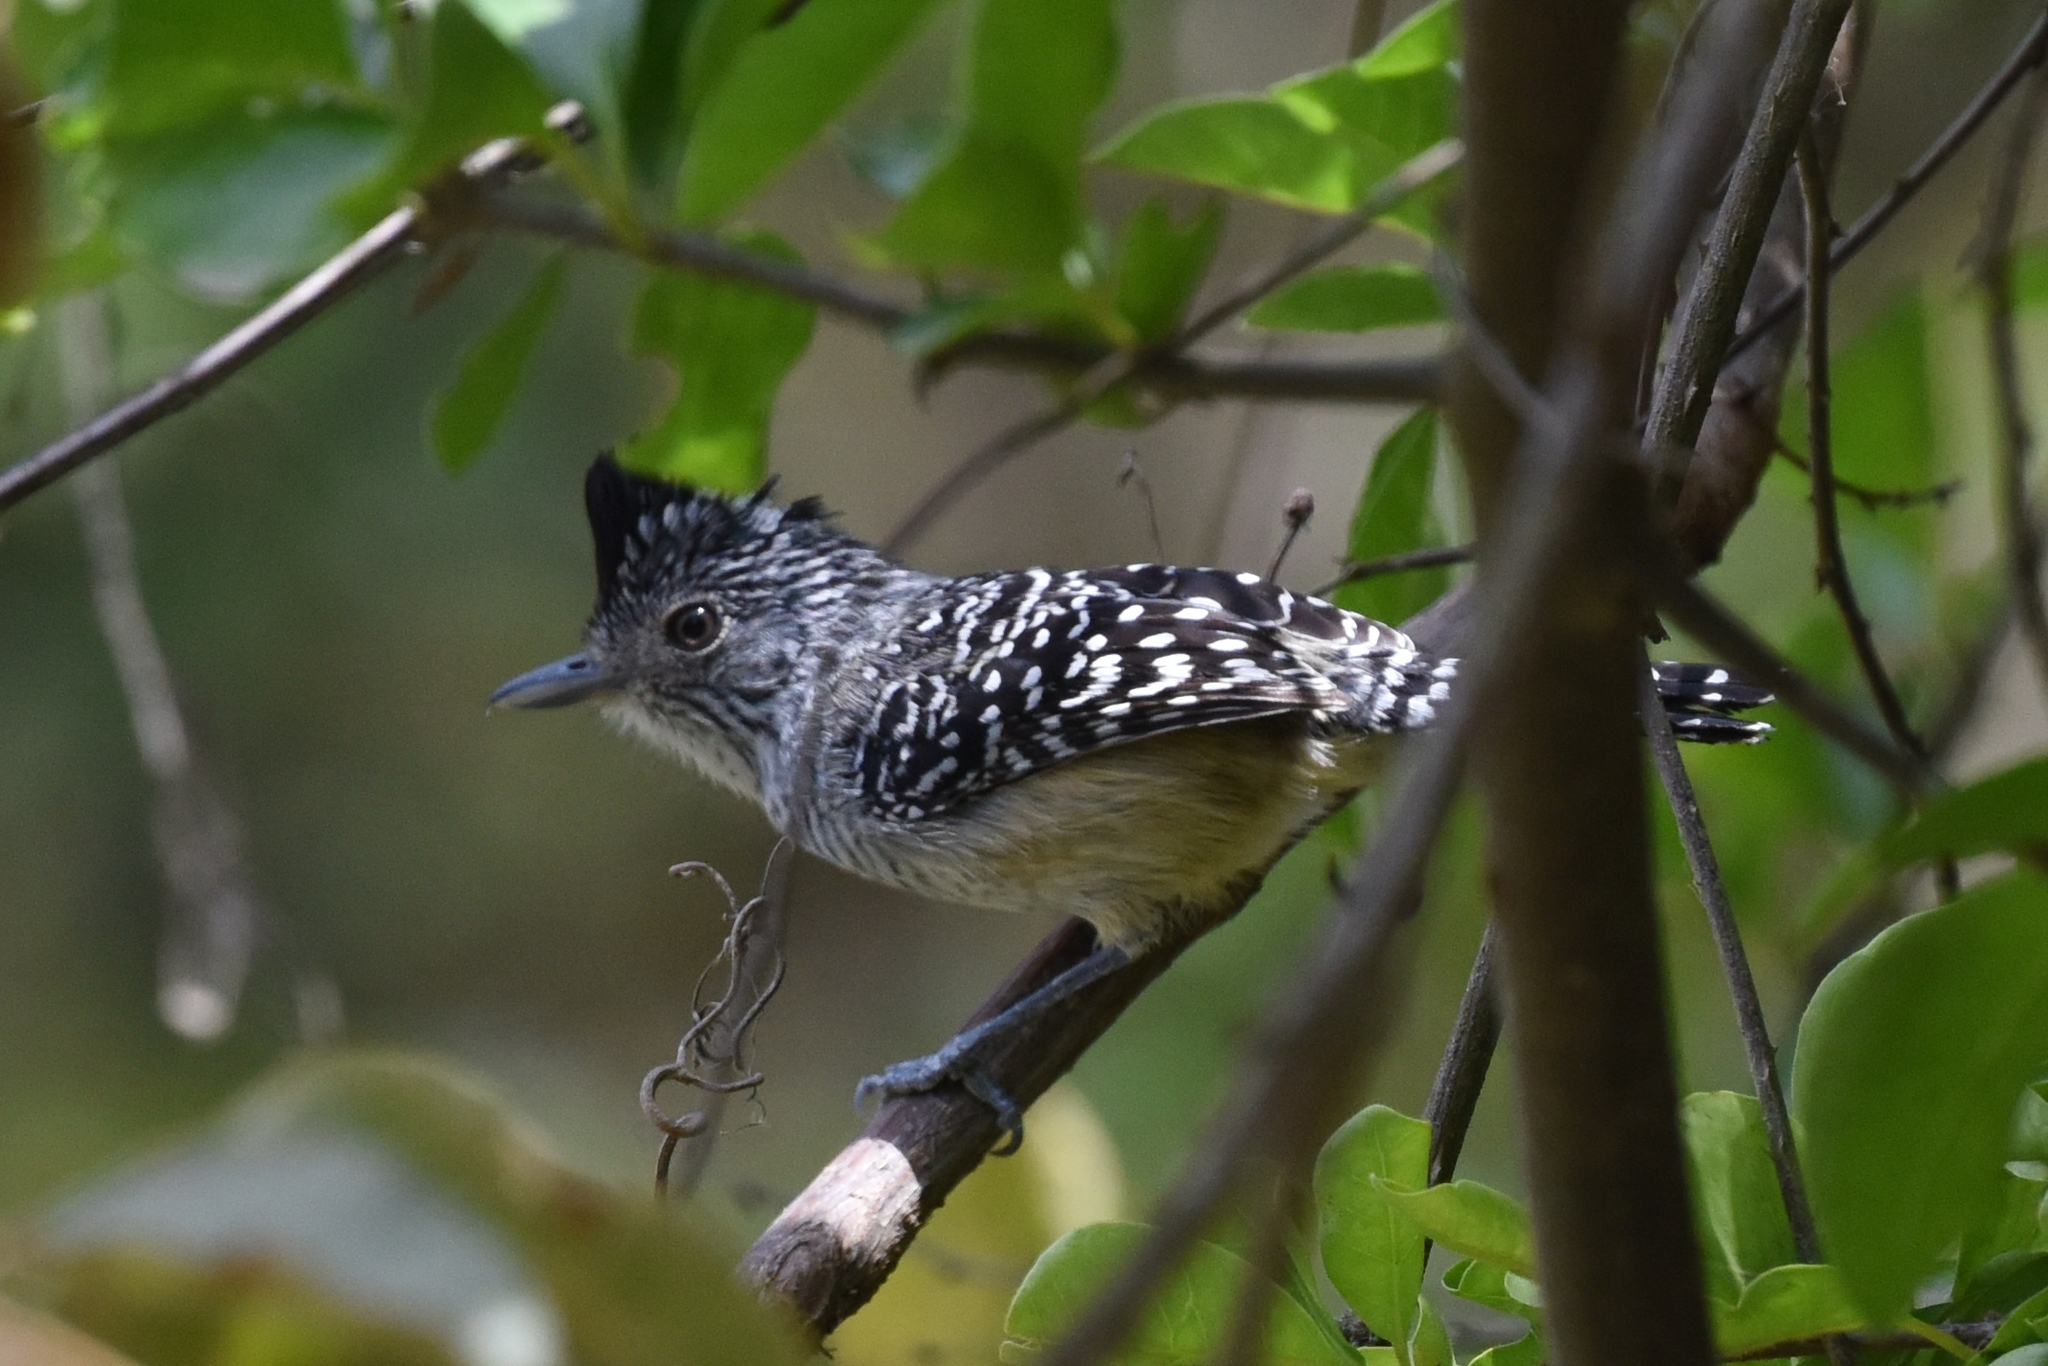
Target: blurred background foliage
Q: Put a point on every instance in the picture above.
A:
(348, 547)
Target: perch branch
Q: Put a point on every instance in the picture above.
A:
(1434, 557)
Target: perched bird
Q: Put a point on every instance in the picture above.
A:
(1132, 745)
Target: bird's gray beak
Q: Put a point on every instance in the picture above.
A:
(557, 684)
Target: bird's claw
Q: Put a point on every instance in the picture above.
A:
(949, 1064)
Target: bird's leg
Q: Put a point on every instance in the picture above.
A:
(967, 1056)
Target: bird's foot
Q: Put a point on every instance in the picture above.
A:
(960, 1061)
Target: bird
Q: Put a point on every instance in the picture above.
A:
(1135, 745)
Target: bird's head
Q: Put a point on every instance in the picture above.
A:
(708, 608)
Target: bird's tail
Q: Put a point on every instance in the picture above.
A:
(1702, 701)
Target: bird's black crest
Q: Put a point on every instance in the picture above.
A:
(622, 505)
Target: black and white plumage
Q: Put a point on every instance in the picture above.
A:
(1128, 744)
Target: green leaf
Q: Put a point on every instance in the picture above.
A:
(1526, 1350)
(1432, 1342)
(1468, 1218)
(1320, 141)
(1426, 41)
(650, 98)
(1007, 196)
(1911, 1057)
(1161, 265)
(467, 415)
(478, 89)
(1247, 144)
(1352, 299)
(1371, 1255)
(782, 89)
(172, 63)
(1186, 1322)
(2011, 1224)
(731, 344)
(1735, 1192)
(2006, 811)
(1394, 515)
(1787, 1304)
(1486, 1284)
(241, 204)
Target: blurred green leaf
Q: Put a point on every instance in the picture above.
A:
(1007, 196)
(1468, 1218)
(2011, 1223)
(171, 63)
(2006, 811)
(1425, 41)
(635, 1284)
(730, 344)
(1160, 266)
(1352, 299)
(1486, 1284)
(478, 89)
(1787, 1304)
(784, 86)
(243, 204)
(650, 99)
(1372, 1256)
(1737, 1203)
(1911, 1057)
(1394, 515)
(1048, 302)
(253, 1312)
(1187, 1321)
(467, 414)
(722, 28)
(1247, 144)
(1883, 409)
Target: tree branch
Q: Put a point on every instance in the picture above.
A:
(1433, 557)
(348, 270)
(2026, 57)
(1706, 317)
(2022, 529)
(1454, 1095)
(1831, 566)
(1749, 1011)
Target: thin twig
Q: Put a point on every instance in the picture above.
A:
(1749, 1011)
(1831, 567)
(1874, 500)
(1405, 180)
(211, 928)
(1454, 1095)
(355, 265)
(1133, 475)
(2025, 58)
(969, 473)
(1705, 322)
(1171, 377)
(2022, 530)
(1432, 557)
(1301, 506)
(1117, 367)
(721, 1030)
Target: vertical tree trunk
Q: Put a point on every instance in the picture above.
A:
(1559, 757)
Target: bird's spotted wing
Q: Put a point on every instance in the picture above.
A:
(1012, 673)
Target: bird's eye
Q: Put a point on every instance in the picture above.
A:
(693, 626)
